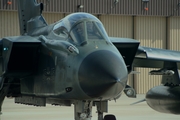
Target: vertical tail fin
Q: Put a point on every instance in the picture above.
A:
(30, 16)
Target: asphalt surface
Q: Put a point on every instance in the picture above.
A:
(121, 108)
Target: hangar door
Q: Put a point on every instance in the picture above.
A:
(174, 33)
(118, 26)
(9, 23)
(151, 32)
(53, 17)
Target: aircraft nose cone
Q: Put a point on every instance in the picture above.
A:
(102, 74)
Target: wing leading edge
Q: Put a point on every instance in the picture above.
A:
(146, 56)
(155, 58)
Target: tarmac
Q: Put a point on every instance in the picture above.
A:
(121, 109)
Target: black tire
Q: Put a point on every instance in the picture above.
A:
(110, 117)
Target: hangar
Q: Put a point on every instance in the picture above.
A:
(155, 23)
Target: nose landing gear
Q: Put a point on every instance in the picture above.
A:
(83, 110)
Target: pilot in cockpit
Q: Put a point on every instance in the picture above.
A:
(80, 29)
(92, 31)
(86, 31)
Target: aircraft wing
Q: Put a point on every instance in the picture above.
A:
(154, 57)
(146, 56)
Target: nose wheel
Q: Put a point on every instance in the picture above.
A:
(109, 117)
(83, 110)
(102, 107)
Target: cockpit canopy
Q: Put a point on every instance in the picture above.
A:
(80, 27)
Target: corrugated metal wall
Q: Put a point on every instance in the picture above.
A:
(151, 31)
(174, 33)
(53, 17)
(119, 26)
(9, 24)
(123, 7)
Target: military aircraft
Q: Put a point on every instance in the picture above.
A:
(74, 61)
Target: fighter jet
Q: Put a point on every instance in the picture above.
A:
(75, 62)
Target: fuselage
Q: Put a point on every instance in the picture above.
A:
(79, 61)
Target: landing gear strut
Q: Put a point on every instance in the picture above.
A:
(3, 92)
(102, 107)
(83, 110)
